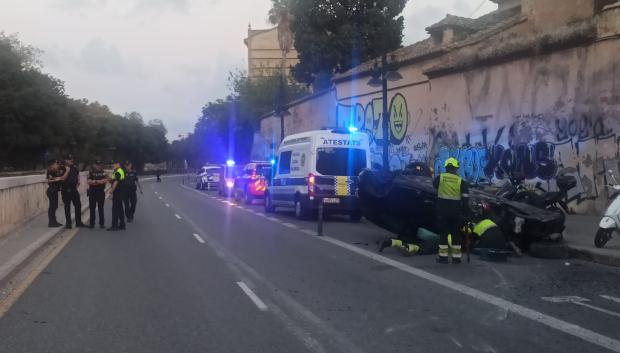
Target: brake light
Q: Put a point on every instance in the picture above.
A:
(311, 184)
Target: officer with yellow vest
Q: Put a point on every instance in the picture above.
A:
(487, 235)
(117, 193)
(452, 194)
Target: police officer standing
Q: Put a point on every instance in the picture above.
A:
(452, 194)
(70, 193)
(54, 180)
(131, 187)
(96, 193)
(117, 193)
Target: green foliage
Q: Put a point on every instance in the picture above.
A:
(332, 36)
(38, 121)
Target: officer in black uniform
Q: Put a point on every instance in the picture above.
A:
(118, 195)
(132, 184)
(54, 180)
(70, 193)
(96, 193)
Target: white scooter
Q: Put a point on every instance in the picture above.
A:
(611, 220)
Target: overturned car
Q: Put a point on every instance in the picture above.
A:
(404, 201)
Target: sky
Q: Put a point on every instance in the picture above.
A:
(163, 58)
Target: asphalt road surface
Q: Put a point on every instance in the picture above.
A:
(197, 273)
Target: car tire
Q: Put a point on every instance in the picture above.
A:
(197, 186)
(269, 208)
(300, 210)
(549, 250)
(247, 197)
(355, 216)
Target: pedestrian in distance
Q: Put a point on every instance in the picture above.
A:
(117, 193)
(54, 180)
(452, 195)
(97, 181)
(132, 184)
(70, 193)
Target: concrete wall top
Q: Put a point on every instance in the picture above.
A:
(13, 182)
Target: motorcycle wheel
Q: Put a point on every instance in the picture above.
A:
(602, 237)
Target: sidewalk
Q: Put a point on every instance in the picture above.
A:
(18, 246)
(579, 237)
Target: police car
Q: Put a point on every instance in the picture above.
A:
(319, 166)
(208, 177)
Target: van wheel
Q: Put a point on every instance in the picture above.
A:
(300, 211)
(269, 208)
(355, 216)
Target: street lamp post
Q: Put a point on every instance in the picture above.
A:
(380, 77)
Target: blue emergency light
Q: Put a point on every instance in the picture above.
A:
(230, 163)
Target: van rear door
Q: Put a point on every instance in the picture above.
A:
(337, 169)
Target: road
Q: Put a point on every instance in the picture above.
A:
(197, 273)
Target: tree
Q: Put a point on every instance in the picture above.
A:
(332, 36)
(280, 16)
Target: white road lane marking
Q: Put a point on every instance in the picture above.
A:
(260, 214)
(581, 302)
(554, 323)
(309, 232)
(253, 297)
(290, 225)
(609, 297)
(273, 219)
(161, 198)
(167, 205)
(199, 238)
(177, 216)
(557, 324)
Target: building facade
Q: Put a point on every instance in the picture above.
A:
(264, 55)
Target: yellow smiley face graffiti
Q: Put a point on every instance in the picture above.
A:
(399, 119)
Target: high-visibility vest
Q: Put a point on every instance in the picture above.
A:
(121, 172)
(483, 226)
(449, 187)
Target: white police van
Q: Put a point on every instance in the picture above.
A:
(319, 165)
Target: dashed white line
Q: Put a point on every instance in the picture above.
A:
(253, 297)
(167, 205)
(161, 198)
(177, 216)
(609, 297)
(273, 219)
(309, 232)
(199, 238)
(290, 225)
(260, 214)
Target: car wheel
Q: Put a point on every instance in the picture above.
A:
(602, 237)
(248, 198)
(197, 186)
(300, 211)
(268, 204)
(355, 216)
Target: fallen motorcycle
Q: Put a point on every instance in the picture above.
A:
(404, 201)
(611, 220)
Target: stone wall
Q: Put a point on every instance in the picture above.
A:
(23, 198)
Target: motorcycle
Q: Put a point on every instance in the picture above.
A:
(611, 220)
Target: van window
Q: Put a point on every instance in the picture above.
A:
(340, 161)
(285, 163)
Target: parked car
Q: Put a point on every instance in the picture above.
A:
(208, 177)
(251, 183)
(228, 174)
(319, 165)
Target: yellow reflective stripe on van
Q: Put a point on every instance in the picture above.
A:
(343, 187)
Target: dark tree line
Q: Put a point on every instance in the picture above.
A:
(226, 127)
(38, 121)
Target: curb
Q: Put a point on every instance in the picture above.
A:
(10, 267)
(587, 254)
